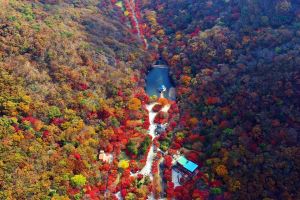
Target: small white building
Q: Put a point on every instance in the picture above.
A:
(105, 157)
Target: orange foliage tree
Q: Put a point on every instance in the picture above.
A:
(134, 104)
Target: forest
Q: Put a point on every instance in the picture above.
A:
(77, 123)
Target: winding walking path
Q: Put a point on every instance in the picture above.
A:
(131, 4)
(146, 170)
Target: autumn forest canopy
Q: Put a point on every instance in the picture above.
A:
(76, 121)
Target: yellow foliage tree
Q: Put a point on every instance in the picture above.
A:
(10, 108)
(58, 197)
(24, 107)
(124, 164)
(27, 99)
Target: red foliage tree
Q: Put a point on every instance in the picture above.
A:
(168, 161)
(170, 189)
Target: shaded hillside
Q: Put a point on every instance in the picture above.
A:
(236, 65)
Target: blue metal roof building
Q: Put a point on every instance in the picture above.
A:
(187, 164)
